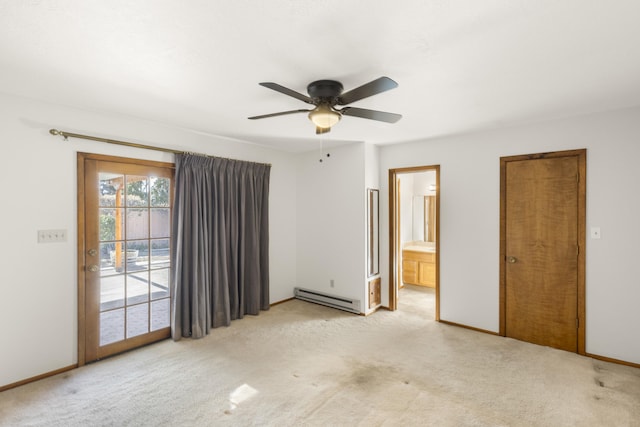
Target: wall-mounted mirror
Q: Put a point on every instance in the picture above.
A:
(373, 246)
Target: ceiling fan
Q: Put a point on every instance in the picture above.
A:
(326, 95)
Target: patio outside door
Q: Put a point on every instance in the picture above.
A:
(124, 254)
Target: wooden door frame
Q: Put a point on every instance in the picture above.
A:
(394, 234)
(81, 249)
(581, 155)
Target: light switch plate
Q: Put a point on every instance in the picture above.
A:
(51, 236)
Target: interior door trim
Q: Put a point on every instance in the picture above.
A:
(394, 238)
(81, 249)
(581, 155)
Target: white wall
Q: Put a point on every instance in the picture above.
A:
(38, 303)
(406, 208)
(421, 182)
(469, 220)
(371, 181)
(371, 166)
(331, 221)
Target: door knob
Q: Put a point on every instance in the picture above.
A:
(512, 259)
(93, 252)
(93, 268)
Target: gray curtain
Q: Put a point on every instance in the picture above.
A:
(220, 253)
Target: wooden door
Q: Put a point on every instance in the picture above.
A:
(123, 259)
(542, 245)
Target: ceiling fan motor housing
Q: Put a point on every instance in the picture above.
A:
(324, 90)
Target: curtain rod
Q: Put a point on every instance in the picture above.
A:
(66, 135)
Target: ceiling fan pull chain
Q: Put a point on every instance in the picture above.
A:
(322, 150)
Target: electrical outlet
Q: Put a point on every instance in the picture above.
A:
(51, 236)
(331, 283)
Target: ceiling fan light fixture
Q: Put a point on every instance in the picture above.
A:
(324, 116)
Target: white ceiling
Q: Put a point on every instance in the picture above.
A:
(461, 65)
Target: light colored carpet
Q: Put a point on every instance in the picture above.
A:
(304, 364)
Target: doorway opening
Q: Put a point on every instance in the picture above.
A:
(414, 231)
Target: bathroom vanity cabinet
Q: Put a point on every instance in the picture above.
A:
(419, 267)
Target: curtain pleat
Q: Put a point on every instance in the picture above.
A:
(220, 253)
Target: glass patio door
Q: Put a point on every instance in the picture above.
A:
(126, 254)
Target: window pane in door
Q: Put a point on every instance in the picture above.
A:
(106, 265)
(111, 326)
(137, 320)
(137, 223)
(160, 191)
(111, 223)
(160, 283)
(159, 314)
(160, 222)
(113, 257)
(112, 292)
(108, 191)
(137, 255)
(137, 191)
(137, 287)
(160, 253)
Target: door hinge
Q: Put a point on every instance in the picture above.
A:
(577, 250)
(577, 177)
(577, 323)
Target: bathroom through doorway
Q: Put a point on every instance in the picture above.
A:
(414, 230)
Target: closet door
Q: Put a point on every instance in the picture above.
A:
(543, 207)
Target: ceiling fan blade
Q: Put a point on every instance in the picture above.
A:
(287, 91)
(366, 90)
(371, 114)
(320, 131)
(282, 113)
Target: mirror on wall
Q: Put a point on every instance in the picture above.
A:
(373, 246)
(423, 218)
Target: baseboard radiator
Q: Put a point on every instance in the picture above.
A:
(341, 303)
